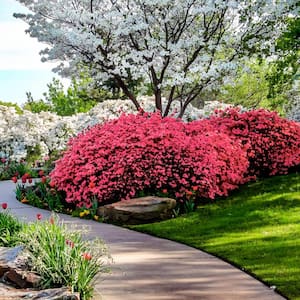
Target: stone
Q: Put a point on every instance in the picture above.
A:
(16, 280)
(13, 268)
(8, 258)
(138, 210)
(9, 293)
(23, 279)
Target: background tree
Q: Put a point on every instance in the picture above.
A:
(182, 48)
(10, 104)
(78, 97)
(285, 69)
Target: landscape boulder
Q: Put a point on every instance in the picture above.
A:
(18, 282)
(138, 210)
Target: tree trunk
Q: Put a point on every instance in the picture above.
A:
(158, 101)
(126, 91)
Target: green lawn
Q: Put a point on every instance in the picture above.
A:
(256, 228)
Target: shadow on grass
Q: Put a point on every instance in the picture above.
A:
(256, 228)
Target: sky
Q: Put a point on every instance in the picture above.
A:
(21, 69)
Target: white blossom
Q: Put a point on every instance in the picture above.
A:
(181, 46)
(52, 132)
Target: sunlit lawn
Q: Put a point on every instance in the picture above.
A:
(256, 228)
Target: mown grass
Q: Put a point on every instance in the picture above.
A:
(256, 228)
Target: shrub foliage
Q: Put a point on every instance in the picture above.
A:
(150, 154)
(273, 142)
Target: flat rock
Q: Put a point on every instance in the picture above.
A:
(22, 279)
(9, 258)
(9, 293)
(138, 210)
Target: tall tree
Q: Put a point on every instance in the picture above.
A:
(180, 47)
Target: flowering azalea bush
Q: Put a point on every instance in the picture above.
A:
(146, 152)
(273, 142)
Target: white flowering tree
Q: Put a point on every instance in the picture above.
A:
(180, 47)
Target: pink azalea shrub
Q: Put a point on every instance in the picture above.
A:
(148, 153)
(273, 142)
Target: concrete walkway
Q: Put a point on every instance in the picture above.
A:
(149, 268)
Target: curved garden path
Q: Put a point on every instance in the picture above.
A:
(149, 268)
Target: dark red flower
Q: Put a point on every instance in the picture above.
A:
(39, 216)
(14, 179)
(4, 205)
(70, 243)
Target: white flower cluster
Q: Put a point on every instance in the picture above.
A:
(48, 131)
(193, 46)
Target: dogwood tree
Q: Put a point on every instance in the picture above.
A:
(180, 47)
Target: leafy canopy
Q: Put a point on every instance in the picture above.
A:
(182, 48)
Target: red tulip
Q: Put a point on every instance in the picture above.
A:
(39, 216)
(52, 184)
(41, 173)
(4, 205)
(70, 243)
(14, 179)
(87, 256)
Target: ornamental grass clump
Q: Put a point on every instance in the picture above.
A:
(147, 153)
(61, 257)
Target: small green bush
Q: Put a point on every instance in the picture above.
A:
(9, 227)
(10, 168)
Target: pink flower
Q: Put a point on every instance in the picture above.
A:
(39, 217)
(87, 256)
(52, 184)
